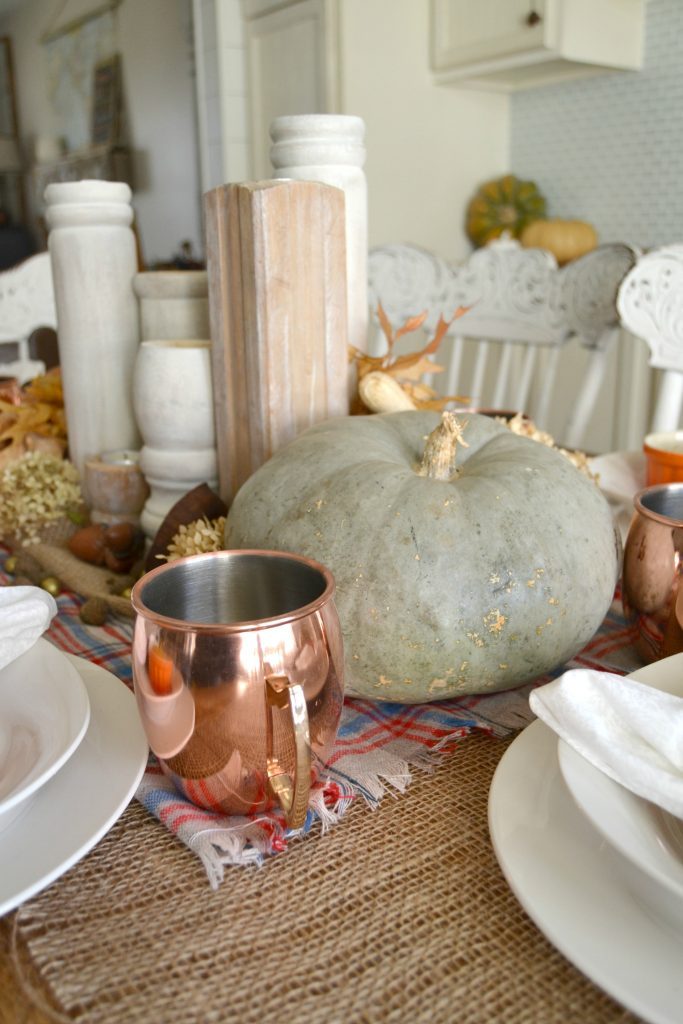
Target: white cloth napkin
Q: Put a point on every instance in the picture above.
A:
(25, 614)
(628, 730)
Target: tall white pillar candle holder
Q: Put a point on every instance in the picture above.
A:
(331, 148)
(93, 257)
(173, 400)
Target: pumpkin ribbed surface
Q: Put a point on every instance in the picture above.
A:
(444, 587)
(504, 204)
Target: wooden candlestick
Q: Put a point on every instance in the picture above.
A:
(276, 261)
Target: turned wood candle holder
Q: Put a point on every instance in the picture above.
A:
(115, 487)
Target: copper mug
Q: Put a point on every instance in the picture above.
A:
(238, 673)
(653, 563)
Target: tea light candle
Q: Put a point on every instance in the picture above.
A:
(115, 487)
(120, 458)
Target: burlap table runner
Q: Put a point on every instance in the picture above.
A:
(400, 914)
(79, 576)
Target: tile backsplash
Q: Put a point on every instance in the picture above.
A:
(609, 149)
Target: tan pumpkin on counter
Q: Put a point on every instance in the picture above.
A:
(566, 239)
(451, 579)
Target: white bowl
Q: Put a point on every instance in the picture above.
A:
(44, 714)
(648, 840)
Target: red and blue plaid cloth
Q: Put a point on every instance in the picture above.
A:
(377, 748)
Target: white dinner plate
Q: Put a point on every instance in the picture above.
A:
(78, 805)
(44, 712)
(620, 476)
(563, 874)
(648, 838)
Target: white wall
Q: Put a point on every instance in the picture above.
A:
(156, 48)
(155, 43)
(221, 92)
(609, 149)
(428, 146)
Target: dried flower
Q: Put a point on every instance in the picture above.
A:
(524, 427)
(38, 418)
(196, 538)
(408, 369)
(35, 490)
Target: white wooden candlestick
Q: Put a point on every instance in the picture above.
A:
(173, 400)
(173, 304)
(93, 257)
(330, 148)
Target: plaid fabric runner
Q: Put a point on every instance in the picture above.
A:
(378, 745)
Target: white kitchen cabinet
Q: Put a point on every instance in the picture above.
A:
(517, 44)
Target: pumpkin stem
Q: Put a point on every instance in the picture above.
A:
(438, 460)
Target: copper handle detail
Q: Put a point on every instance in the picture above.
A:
(292, 793)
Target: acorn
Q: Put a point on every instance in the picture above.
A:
(11, 564)
(124, 544)
(120, 537)
(51, 584)
(88, 544)
(94, 611)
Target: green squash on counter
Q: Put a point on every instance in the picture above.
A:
(459, 569)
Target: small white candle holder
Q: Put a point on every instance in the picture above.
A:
(173, 402)
(115, 487)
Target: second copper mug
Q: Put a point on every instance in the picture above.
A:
(653, 564)
(238, 674)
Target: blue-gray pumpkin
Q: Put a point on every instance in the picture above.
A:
(461, 567)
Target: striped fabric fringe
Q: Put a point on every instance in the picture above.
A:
(378, 747)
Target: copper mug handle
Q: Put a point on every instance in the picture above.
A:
(292, 794)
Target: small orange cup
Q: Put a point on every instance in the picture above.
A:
(664, 457)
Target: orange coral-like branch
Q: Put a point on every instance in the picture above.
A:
(408, 369)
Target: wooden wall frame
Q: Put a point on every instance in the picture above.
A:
(12, 192)
(106, 102)
(8, 99)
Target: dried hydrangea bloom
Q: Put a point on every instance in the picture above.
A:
(196, 538)
(35, 490)
(524, 427)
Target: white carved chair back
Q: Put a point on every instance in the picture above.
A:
(589, 299)
(514, 300)
(26, 303)
(650, 304)
(523, 309)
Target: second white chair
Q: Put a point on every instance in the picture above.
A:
(26, 303)
(522, 311)
(650, 304)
